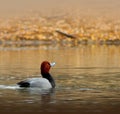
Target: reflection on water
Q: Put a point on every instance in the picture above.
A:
(87, 78)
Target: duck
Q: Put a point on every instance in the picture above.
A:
(46, 81)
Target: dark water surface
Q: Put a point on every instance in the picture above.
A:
(87, 79)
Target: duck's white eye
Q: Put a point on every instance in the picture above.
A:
(52, 64)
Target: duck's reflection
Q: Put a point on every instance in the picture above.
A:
(48, 97)
(42, 95)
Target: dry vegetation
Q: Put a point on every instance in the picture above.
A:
(60, 29)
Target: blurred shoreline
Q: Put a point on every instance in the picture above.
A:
(65, 22)
(36, 29)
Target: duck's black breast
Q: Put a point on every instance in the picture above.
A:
(24, 84)
(49, 78)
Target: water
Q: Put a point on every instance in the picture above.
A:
(87, 79)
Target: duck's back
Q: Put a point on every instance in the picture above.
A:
(35, 82)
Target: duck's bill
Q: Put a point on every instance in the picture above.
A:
(52, 64)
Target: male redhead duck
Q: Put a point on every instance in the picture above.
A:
(46, 81)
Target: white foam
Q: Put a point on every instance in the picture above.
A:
(9, 87)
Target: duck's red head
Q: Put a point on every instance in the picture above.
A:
(45, 67)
